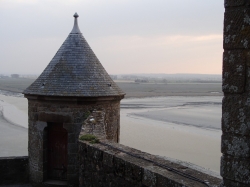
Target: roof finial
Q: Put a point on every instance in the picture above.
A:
(76, 15)
(75, 29)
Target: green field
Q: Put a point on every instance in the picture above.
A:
(135, 89)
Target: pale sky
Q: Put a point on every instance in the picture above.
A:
(127, 36)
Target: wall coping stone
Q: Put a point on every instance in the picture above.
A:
(157, 174)
(14, 170)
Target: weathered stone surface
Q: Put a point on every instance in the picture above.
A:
(108, 159)
(133, 172)
(229, 3)
(112, 167)
(247, 54)
(235, 169)
(230, 183)
(14, 171)
(163, 181)
(237, 29)
(247, 87)
(95, 124)
(73, 115)
(149, 178)
(54, 117)
(238, 146)
(234, 71)
(119, 166)
(235, 164)
(236, 114)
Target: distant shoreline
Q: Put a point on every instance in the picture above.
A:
(134, 90)
(11, 93)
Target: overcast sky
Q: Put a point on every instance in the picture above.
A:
(127, 36)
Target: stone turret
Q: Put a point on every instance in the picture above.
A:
(74, 93)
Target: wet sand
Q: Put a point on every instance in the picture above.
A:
(145, 125)
(13, 139)
(15, 110)
(174, 127)
(13, 125)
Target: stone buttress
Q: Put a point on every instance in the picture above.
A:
(235, 143)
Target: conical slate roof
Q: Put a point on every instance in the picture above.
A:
(74, 71)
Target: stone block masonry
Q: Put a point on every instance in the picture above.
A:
(92, 115)
(112, 166)
(235, 147)
(14, 171)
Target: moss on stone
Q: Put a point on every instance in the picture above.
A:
(86, 115)
(90, 138)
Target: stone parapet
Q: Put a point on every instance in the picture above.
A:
(14, 170)
(112, 164)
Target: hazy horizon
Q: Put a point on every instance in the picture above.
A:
(128, 37)
(204, 74)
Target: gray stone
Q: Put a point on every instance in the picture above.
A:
(235, 114)
(235, 169)
(149, 178)
(14, 171)
(230, 183)
(234, 71)
(229, 3)
(238, 146)
(236, 29)
(120, 169)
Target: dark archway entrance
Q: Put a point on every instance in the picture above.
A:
(57, 151)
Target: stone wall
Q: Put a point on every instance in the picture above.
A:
(72, 113)
(235, 162)
(14, 170)
(102, 165)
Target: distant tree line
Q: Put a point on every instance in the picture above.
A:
(14, 76)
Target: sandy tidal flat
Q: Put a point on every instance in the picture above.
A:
(154, 125)
(13, 126)
(184, 128)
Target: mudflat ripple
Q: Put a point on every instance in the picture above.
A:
(202, 112)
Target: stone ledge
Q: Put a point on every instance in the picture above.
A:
(121, 168)
(14, 170)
